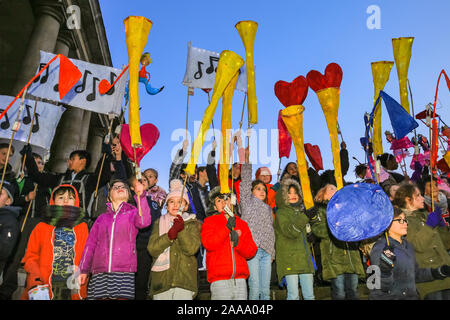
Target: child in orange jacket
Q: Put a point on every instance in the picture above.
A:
(55, 247)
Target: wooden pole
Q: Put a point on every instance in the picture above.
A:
(29, 136)
(187, 113)
(138, 196)
(279, 171)
(14, 128)
(431, 168)
(28, 210)
(374, 156)
(180, 209)
(243, 109)
(340, 132)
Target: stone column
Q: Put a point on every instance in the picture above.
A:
(64, 42)
(49, 16)
(67, 135)
(94, 143)
(85, 128)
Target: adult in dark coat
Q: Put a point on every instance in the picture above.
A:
(39, 200)
(396, 258)
(9, 229)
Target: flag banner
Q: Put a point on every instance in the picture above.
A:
(85, 93)
(44, 125)
(201, 70)
(402, 122)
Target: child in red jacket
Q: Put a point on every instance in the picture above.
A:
(55, 247)
(229, 244)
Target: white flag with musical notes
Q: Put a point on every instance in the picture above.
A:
(85, 93)
(45, 121)
(201, 67)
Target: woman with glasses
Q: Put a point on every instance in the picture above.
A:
(110, 251)
(396, 259)
(423, 234)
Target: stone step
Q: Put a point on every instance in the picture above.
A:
(321, 291)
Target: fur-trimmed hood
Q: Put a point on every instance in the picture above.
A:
(282, 193)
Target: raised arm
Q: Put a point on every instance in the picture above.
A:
(175, 167)
(211, 168)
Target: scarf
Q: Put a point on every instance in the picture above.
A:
(63, 216)
(162, 263)
(442, 202)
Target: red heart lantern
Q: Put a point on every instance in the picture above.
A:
(333, 75)
(293, 93)
(314, 156)
(331, 79)
(284, 139)
(149, 137)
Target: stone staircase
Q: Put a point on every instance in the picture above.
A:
(322, 291)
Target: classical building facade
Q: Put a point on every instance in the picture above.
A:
(28, 26)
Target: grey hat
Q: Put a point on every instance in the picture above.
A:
(10, 189)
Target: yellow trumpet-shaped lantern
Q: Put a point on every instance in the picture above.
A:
(402, 55)
(247, 31)
(227, 99)
(380, 73)
(227, 67)
(293, 119)
(329, 100)
(136, 32)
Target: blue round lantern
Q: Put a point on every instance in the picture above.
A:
(359, 211)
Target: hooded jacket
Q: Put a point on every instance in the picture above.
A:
(401, 284)
(39, 257)
(293, 254)
(444, 231)
(9, 231)
(429, 248)
(224, 262)
(337, 257)
(256, 213)
(111, 246)
(183, 263)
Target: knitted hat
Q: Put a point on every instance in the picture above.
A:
(263, 171)
(77, 199)
(10, 189)
(175, 188)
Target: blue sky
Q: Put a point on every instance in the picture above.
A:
(293, 38)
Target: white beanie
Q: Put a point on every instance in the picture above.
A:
(175, 188)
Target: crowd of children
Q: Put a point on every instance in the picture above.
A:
(114, 235)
